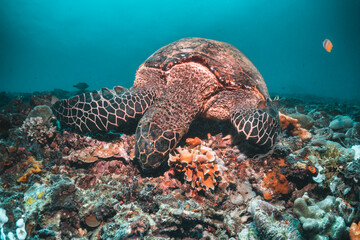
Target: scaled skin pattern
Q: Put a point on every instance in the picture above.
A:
(187, 79)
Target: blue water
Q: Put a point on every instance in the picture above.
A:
(47, 44)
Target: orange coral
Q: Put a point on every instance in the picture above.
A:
(312, 169)
(35, 168)
(267, 196)
(199, 165)
(292, 125)
(277, 183)
(193, 142)
(168, 182)
(354, 231)
(282, 163)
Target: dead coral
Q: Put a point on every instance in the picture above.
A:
(292, 125)
(271, 223)
(108, 150)
(94, 149)
(168, 182)
(201, 166)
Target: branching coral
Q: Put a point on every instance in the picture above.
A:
(330, 161)
(200, 166)
(36, 130)
(292, 125)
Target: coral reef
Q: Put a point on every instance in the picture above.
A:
(271, 224)
(201, 166)
(35, 167)
(56, 184)
(20, 230)
(36, 130)
(354, 231)
(292, 125)
(341, 123)
(323, 218)
(277, 183)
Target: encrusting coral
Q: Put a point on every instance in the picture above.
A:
(200, 166)
(277, 184)
(292, 125)
(35, 168)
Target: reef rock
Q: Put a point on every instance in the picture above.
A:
(341, 123)
(305, 121)
(271, 223)
(42, 111)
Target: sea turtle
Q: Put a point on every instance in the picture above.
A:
(185, 80)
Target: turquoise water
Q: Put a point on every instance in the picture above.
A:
(55, 44)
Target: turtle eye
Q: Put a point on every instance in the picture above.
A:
(262, 104)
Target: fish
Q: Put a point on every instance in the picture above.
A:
(81, 86)
(327, 44)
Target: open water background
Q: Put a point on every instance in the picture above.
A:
(47, 44)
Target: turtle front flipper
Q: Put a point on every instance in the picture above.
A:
(260, 125)
(164, 124)
(103, 111)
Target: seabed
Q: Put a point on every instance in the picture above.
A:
(57, 184)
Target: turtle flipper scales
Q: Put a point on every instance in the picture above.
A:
(259, 125)
(103, 111)
(169, 118)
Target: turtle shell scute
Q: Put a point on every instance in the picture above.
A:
(230, 66)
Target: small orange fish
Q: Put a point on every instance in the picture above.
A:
(327, 45)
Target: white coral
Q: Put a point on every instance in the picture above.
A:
(3, 219)
(356, 148)
(20, 231)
